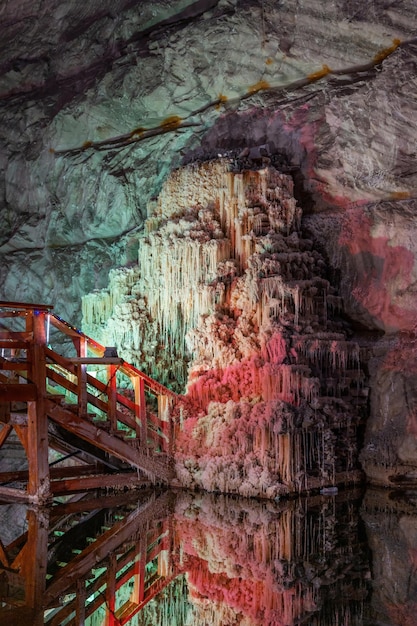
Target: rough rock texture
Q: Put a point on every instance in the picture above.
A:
(225, 280)
(100, 100)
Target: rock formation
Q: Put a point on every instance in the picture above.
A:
(226, 281)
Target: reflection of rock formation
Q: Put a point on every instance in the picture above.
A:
(390, 448)
(226, 281)
(391, 526)
(256, 564)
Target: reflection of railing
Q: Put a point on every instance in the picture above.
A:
(123, 424)
(76, 560)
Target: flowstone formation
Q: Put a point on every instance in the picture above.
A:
(230, 300)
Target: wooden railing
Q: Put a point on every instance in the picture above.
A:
(113, 408)
(103, 391)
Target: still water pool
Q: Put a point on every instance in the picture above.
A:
(186, 559)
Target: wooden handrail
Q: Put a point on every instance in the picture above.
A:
(128, 369)
(25, 306)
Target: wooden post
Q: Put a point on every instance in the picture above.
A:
(143, 543)
(111, 395)
(80, 344)
(140, 409)
(111, 592)
(34, 559)
(38, 484)
(80, 602)
(164, 417)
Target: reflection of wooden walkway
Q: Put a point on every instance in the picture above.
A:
(52, 401)
(76, 559)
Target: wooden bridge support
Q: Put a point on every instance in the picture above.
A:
(37, 438)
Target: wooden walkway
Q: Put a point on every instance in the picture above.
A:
(107, 416)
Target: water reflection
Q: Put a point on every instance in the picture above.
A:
(203, 560)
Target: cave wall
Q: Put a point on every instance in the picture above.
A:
(99, 102)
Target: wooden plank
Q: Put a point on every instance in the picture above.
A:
(130, 556)
(15, 335)
(4, 559)
(10, 313)
(64, 327)
(13, 344)
(54, 357)
(111, 591)
(14, 366)
(138, 592)
(11, 494)
(16, 476)
(156, 588)
(56, 473)
(25, 306)
(89, 360)
(109, 443)
(92, 588)
(82, 388)
(78, 470)
(150, 384)
(15, 392)
(90, 503)
(84, 483)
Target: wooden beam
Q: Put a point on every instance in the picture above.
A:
(90, 502)
(4, 559)
(36, 557)
(22, 433)
(38, 485)
(25, 306)
(80, 598)
(111, 574)
(4, 433)
(85, 483)
(112, 395)
(15, 335)
(10, 494)
(15, 392)
(56, 473)
(13, 344)
(89, 360)
(14, 366)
